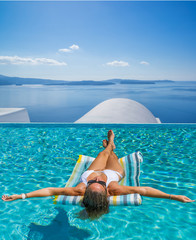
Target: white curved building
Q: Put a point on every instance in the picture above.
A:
(119, 110)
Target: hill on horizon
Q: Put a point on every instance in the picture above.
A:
(5, 80)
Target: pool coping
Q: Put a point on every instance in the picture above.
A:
(67, 124)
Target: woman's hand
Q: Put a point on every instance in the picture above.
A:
(46, 192)
(181, 198)
(10, 198)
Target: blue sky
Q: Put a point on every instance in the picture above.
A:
(98, 40)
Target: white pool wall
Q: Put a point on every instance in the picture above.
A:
(14, 115)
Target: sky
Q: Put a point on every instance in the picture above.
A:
(98, 40)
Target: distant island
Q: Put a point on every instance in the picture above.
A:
(5, 80)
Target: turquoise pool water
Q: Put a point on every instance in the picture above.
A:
(43, 155)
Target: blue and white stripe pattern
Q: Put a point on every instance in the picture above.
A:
(131, 165)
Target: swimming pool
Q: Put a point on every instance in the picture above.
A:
(34, 156)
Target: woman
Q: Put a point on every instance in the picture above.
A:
(98, 182)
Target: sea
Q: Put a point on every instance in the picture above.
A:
(171, 102)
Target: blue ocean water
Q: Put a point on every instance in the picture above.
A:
(43, 155)
(172, 102)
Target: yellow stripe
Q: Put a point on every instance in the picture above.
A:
(80, 158)
(74, 171)
(114, 200)
(55, 199)
(122, 182)
(122, 164)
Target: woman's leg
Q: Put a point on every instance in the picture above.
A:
(112, 162)
(100, 161)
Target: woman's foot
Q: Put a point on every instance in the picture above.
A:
(105, 143)
(111, 139)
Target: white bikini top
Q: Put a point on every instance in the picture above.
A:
(110, 174)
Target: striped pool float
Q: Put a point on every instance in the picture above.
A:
(131, 165)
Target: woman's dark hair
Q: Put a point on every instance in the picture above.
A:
(96, 203)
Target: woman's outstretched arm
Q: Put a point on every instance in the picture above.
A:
(45, 192)
(150, 192)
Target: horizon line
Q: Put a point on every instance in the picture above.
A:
(112, 78)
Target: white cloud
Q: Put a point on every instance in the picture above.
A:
(144, 63)
(74, 47)
(118, 64)
(29, 61)
(64, 50)
(70, 49)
